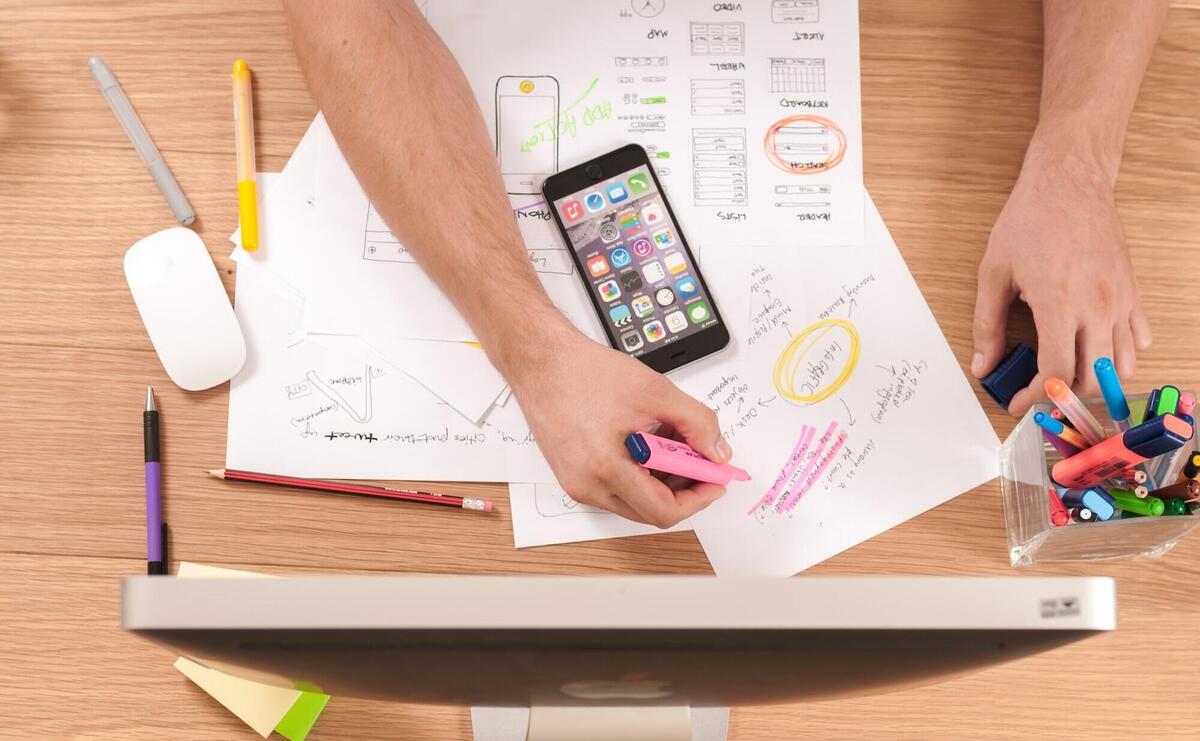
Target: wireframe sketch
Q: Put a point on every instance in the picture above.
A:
(797, 75)
(526, 131)
(719, 167)
(796, 11)
(718, 39)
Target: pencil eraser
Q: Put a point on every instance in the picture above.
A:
(1014, 373)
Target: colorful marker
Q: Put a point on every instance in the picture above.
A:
(1126, 500)
(1168, 464)
(1057, 414)
(1151, 405)
(243, 124)
(1191, 469)
(1187, 403)
(1059, 515)
(1080, 417)
(1065, 449)
(1095, 499)
(1168, 401)
(1187, 491)
(1054, 427)
(1083, 514)
(1156, 437)
(1114, 396)
(1174, 507)
(671, 456)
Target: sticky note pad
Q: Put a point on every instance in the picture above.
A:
(303, 714)
(289, 711)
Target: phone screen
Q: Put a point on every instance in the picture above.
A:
(635, 262)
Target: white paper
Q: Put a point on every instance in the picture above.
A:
(458, 374)
(543, 514)
(367, 282)
(902, 434)
(298, 409)
(739, 104)
(751, 113)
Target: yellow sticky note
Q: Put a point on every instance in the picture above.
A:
(261, 705)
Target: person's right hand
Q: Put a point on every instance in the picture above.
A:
(581, 399)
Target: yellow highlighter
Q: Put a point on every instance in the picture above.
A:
(243, 121)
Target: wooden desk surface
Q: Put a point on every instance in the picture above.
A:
(950, 93)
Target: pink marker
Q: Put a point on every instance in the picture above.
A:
(1187, 403)
(671, 456)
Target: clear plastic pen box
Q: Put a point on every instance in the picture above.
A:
(1025, 462)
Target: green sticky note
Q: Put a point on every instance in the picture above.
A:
(303, 714)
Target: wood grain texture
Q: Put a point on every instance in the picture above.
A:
(950, 92)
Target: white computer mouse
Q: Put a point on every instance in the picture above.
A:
(184, 307)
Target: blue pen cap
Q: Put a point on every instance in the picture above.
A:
(1048, 423)
(637, 447)
(1110, 387)
(1016, 371)
(1158, 436)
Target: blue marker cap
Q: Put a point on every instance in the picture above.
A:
(1048, 423)
(1158, 436)
(1100, 502)
(637, 447)
(1014, 373)
(1110, 386)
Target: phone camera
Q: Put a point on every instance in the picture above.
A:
(595, 172)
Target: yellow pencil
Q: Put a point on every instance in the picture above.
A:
(243, 121)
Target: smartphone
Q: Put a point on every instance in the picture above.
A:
(526, 131)
(634, 260)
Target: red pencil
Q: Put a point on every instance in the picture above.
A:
(336, 487)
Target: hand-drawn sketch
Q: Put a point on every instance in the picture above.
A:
(719, 167)
(805, 144)
(718, 39)
(812, 197)
(526, 131)
(647, 8)
(817, 362)
(718, 97)
(796, 11)
(640, 61)
(326, 387)
(550, 501)
(797, 75)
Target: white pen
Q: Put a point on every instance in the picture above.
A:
(137, 134)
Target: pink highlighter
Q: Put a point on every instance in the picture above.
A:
(1089, 467)
(671, 456)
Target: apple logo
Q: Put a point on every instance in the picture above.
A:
(629, 687)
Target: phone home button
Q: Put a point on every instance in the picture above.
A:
(593, 171)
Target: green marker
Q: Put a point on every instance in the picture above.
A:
(1127, 501)
(1130, 515)
(660, 99)
(1168, 401)
(1174, 506)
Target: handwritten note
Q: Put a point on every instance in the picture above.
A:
(849, 410)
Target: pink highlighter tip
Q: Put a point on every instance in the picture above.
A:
(487, 506)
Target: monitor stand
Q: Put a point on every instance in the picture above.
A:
(641, 723)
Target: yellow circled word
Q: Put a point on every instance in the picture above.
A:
(791, 362)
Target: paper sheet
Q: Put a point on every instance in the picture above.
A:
(752, 117)
(543, 514)
(460, 375)
(264, 707)
(296, 408)
(751, 111)
(850, 411)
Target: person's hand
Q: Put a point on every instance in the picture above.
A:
(581, 399)
(1058, 246)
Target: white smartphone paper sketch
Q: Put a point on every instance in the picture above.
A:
(526, 131)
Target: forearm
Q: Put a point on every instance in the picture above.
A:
(1094, 58)
(408, 124)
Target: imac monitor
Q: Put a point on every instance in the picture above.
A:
(589, 642)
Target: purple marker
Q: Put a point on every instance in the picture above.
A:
(156, 529)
